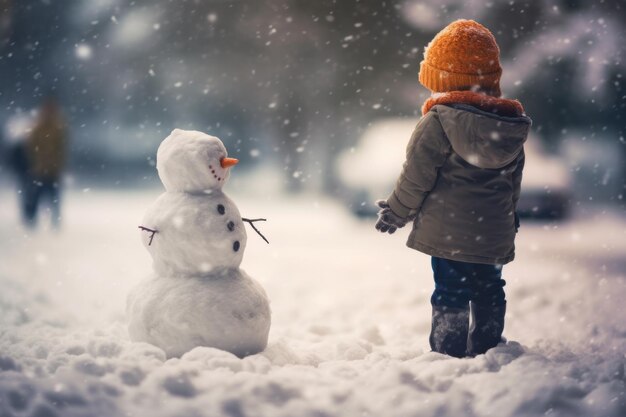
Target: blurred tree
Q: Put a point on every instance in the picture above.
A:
(291, 71)
(294, 80)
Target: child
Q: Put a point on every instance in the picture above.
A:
(460, 185)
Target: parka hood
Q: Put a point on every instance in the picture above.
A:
(483, 139)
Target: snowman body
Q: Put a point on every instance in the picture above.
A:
(197, 233)
(197, 294)
(225, 309)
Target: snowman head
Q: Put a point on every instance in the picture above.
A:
(193, 162)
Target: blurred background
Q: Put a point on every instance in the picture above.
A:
(318, 100)
(317, 95)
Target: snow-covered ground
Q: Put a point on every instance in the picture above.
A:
(351, 317)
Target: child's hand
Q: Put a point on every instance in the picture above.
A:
(388, 221)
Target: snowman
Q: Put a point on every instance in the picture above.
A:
(197, 295)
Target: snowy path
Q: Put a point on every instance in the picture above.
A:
(350, 322)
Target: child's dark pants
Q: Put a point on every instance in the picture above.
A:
(457, 286)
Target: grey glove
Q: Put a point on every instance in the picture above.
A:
(388, 221)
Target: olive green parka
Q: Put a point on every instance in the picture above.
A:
(462, 179)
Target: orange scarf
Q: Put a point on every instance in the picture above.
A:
(501, 106)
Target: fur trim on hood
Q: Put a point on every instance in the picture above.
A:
(499, 106)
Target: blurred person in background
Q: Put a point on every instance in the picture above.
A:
(45, 151)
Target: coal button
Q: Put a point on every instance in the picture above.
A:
(231, 226)
(221, 209)
(236, 245)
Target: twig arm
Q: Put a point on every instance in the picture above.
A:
(151, 231)
(251, 221)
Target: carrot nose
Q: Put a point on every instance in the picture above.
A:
(228, 162)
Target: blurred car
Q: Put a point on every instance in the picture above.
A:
(546, 184)
(368, 172)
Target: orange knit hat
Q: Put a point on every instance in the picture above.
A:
(463, 56)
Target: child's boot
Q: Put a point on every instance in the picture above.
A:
(486, 328)
(449, 331)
